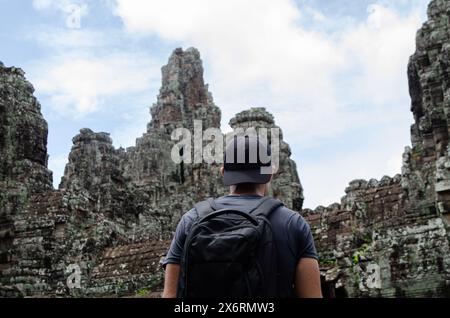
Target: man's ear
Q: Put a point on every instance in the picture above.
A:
(222, 171)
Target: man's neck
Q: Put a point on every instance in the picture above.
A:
(247, 194)
(259, 192)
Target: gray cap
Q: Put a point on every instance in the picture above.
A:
(243, 160)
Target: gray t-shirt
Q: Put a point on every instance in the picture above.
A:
(291, 233)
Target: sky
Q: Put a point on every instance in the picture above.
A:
(333, 72)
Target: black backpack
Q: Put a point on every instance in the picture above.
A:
(230, 253)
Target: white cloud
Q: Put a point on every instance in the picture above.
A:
(255, 50)
(73, 11)
(379, 50)
(258, 39)
(76, 84)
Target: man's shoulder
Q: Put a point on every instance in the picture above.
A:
(190, 215)
(282, 211)
(189, 218)
(292, 219)
(286, 211)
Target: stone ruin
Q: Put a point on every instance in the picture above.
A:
(390, 238)
(105, 230)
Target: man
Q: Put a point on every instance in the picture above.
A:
(298, 269)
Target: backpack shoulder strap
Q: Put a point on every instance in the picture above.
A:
(205, 207)
(266, 206)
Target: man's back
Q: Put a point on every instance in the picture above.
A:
(291, 233)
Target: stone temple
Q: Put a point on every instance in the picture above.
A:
(105, 230)
(112, 218)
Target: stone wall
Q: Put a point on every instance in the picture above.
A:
(373, 245)
(126, 268)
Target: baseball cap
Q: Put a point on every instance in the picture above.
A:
(243, 162)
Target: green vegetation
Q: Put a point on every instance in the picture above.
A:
(327, 262)
(154, 283)
(142, 292)
(360, 252)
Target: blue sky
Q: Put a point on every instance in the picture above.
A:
(333, 72)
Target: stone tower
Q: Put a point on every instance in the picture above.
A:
(391, 237)
(183, 95)
(23, 166)
(286, 184)
(426, 169)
